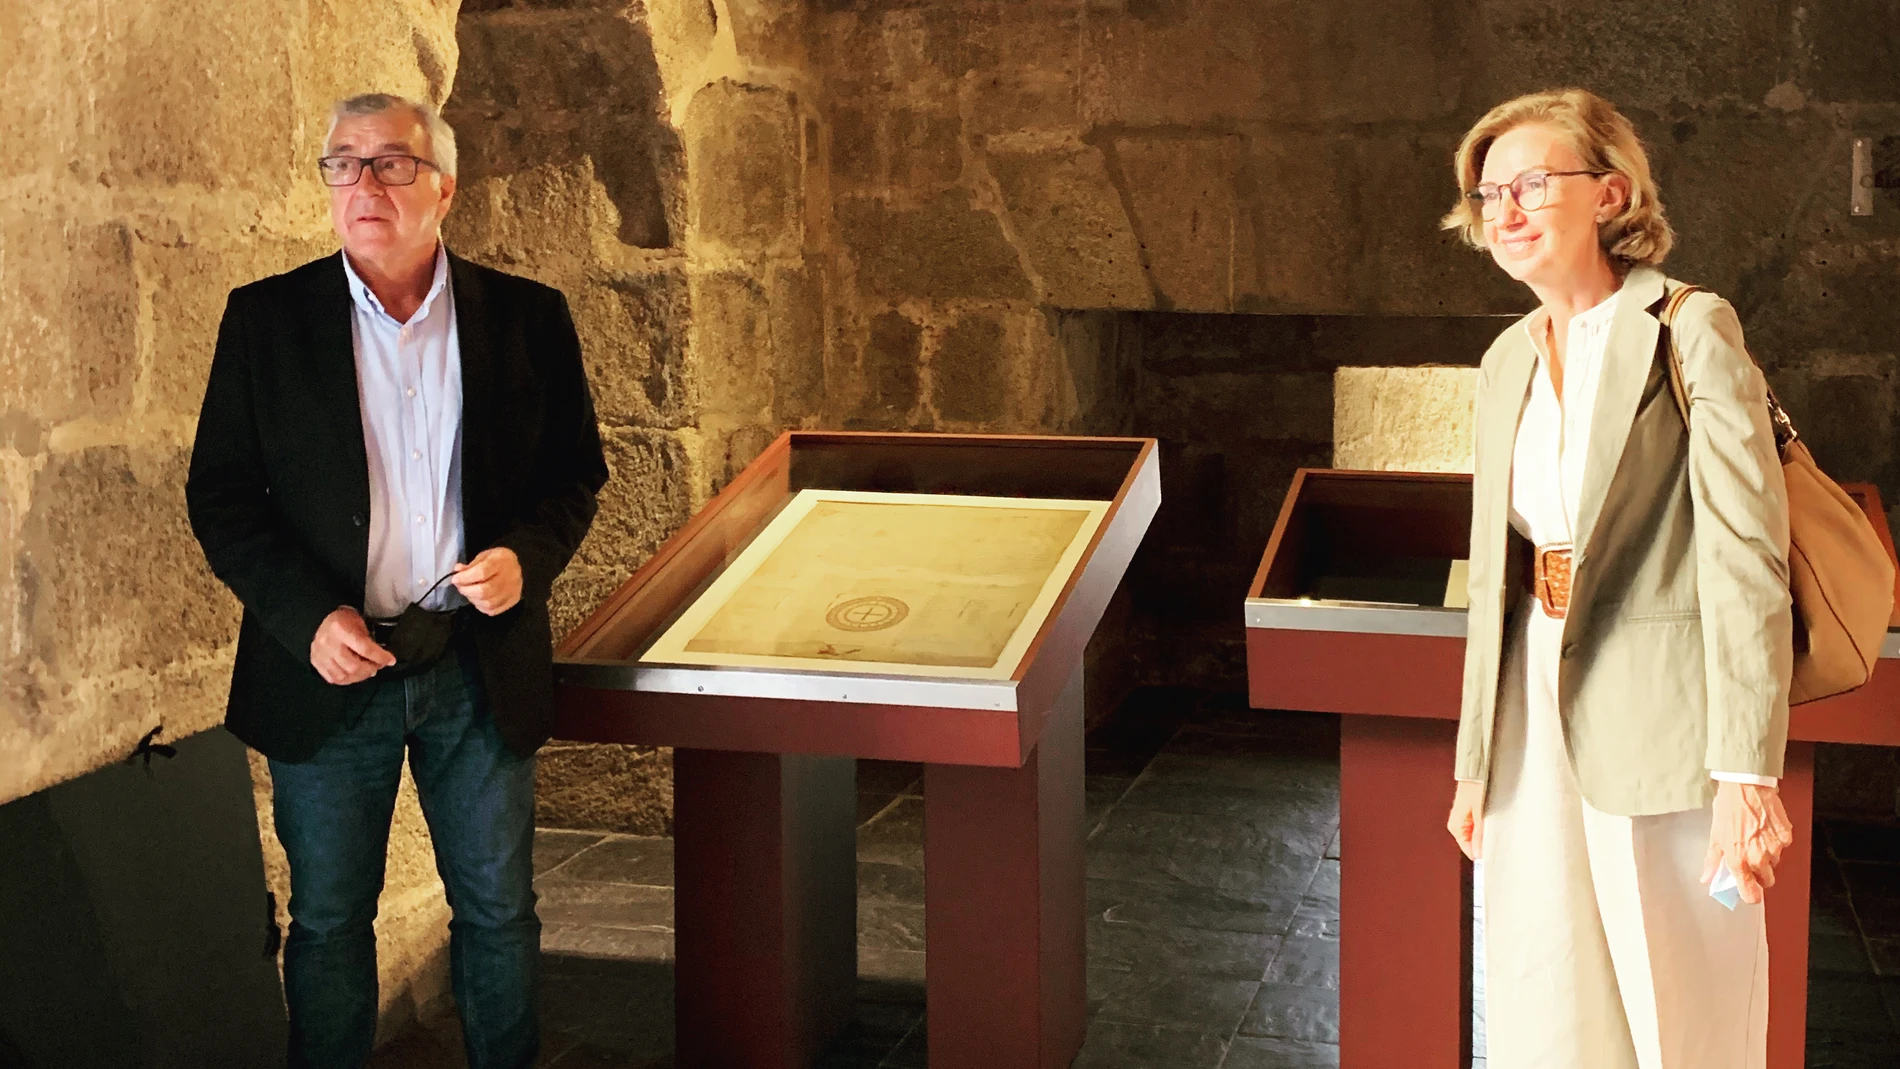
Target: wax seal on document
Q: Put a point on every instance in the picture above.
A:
(874, 613)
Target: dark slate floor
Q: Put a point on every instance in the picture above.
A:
(1214, 914)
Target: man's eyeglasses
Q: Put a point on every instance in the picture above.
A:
(395, 170)
(1528, 190)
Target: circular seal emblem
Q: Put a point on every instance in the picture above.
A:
(874, 613)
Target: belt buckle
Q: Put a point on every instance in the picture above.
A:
(1550, 578)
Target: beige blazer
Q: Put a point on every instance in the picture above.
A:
(1678, 644)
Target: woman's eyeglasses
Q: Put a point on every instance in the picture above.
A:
(1528, 189)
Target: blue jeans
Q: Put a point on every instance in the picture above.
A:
(333, 815)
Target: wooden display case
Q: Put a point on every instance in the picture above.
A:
(1395, 672)
(765, 864)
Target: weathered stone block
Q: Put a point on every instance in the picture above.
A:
(648, 496)
(1189, 217)
(1217, 61)
(732, 350)
(854, 152)
(742, 155)
(891, 360)
(1026, 74)
(968, 374)
(634, 340)
(943, 248)
(1073, 231)
(1403, 418)
(1349, 224)
(1640, 55)
(108, 595)
(924, 151)
(796, 300)
(605, 788)
(571, 91)
(189, 283)
(769, 33)
(68, 319)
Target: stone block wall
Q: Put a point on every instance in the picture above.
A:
(161, 154)
(661, 164)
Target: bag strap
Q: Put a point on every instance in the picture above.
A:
(1785, 434)
(1677, 386)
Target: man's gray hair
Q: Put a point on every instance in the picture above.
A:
(441, 135)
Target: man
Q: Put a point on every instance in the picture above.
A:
(377, 421)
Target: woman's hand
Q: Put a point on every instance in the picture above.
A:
(1467, 819)
(1749, 832)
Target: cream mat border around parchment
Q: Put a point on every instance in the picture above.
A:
(672, 646)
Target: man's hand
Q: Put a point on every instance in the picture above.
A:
(1750, 830)
(343, 652)
(491, 582)
(1466, 823)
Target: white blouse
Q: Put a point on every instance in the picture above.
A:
(1553, 439)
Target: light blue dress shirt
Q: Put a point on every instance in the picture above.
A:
(409, 383)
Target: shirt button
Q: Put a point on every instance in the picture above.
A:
(1569, 650)
(418, 517)
(411, 391)
(416, 455)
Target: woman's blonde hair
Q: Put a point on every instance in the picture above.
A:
(1591, 125)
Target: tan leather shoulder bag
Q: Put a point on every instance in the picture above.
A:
(1839, 573)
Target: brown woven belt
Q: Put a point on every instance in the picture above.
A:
(1550, 579)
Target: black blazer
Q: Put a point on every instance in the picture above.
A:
(279, 487)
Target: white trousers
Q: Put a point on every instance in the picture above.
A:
(1603, 949)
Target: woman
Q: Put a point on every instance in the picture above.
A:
(1626, 675)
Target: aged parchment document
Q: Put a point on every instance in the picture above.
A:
(904, 584)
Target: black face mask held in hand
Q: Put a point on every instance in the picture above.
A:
(421, 635)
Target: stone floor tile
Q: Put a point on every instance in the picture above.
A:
(1181, 951)
(1260, 772)
(1313, 814)
(553, 846)
(585, 903)
(1835, 953)
(1286, 1011)
(882, 881)
(890, 777)
(1832, 913)
(630, 859)
(1248, 1052)
(886, 975)
(1229, 714)
(874, 1032)
(586, 1055)
(896, 836)
(1179, 905)
(891, 926)
(1847, 1004)
(1885, 955)
(612, 944)
(1325, 886)
(871, 806)
(1103, 981)
(1244, 856)
(1306, 963)
(1830, 1049)
(912, 1052)
(619, 1003)
(1119, 1045)
(1179, 997)
(1858, 841)
(1315, 919)
(1868, 880)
